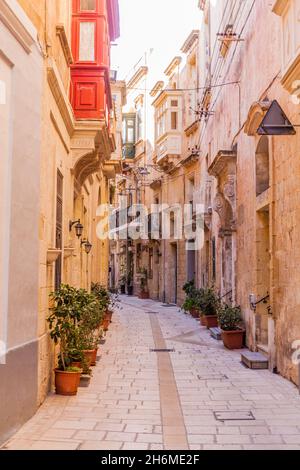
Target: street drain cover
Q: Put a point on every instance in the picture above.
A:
(212, 377)
(152, 313)
(234, 416)
(169, 305)
(162, 350)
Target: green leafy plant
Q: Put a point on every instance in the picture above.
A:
(102, 295)
(189, 304)
(229, 317)
(190, 289)
(91, 316)
(63, 322)
(208, 301)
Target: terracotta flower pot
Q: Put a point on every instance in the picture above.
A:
(211, 321)
(233, 339)
(203, 320)
(105, 324)
(88, 355)
(66, 383)
(195, 312)
(94, 357)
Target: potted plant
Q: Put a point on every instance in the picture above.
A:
(190, 305)
(63, 321)
(144, 292)
(209, 304)
(230, 320)
(91, 317)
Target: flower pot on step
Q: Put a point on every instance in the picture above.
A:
(94, 357)
(88, 355)
(66, 383)
(105, 324)
(211, 321)
(195, 312)
(233, 339)
(203, 320)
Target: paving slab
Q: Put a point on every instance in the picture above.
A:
(145, 400)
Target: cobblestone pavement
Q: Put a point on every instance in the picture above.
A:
(140, 399)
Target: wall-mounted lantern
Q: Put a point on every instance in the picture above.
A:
(78, 227)
(87, 246)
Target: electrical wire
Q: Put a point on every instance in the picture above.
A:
(227, 71)
(186, 89)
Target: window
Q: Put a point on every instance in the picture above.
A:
(174, 120)
(174, 103)
(87, 5)
(87, 41)
(161, 120)
(129, 135)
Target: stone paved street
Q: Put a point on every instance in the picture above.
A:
(140, 399)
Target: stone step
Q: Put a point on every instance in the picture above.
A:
(216, 333)
(254, 360)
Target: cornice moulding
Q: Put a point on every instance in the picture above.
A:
(174, 63)
(17, 22)
(291, 75)
(60, 96)
(61, 33)
(190, 41)
(137, 77)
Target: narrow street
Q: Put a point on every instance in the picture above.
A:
(140, 399)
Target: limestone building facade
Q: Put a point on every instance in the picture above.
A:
(250, 54)
(60, 156)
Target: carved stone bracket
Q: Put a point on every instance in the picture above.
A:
(256, 114)
(223, 169)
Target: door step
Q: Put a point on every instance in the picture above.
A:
(216, 333)
(254, 360)
(263, 349)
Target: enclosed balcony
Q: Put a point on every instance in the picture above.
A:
(168, 126)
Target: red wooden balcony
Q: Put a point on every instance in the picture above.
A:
(95, 23)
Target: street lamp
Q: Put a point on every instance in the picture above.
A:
(87, 246)
(78, 227)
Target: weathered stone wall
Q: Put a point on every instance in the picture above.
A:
(267, 246)
(20, 143)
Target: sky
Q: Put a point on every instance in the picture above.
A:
(162, 25)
